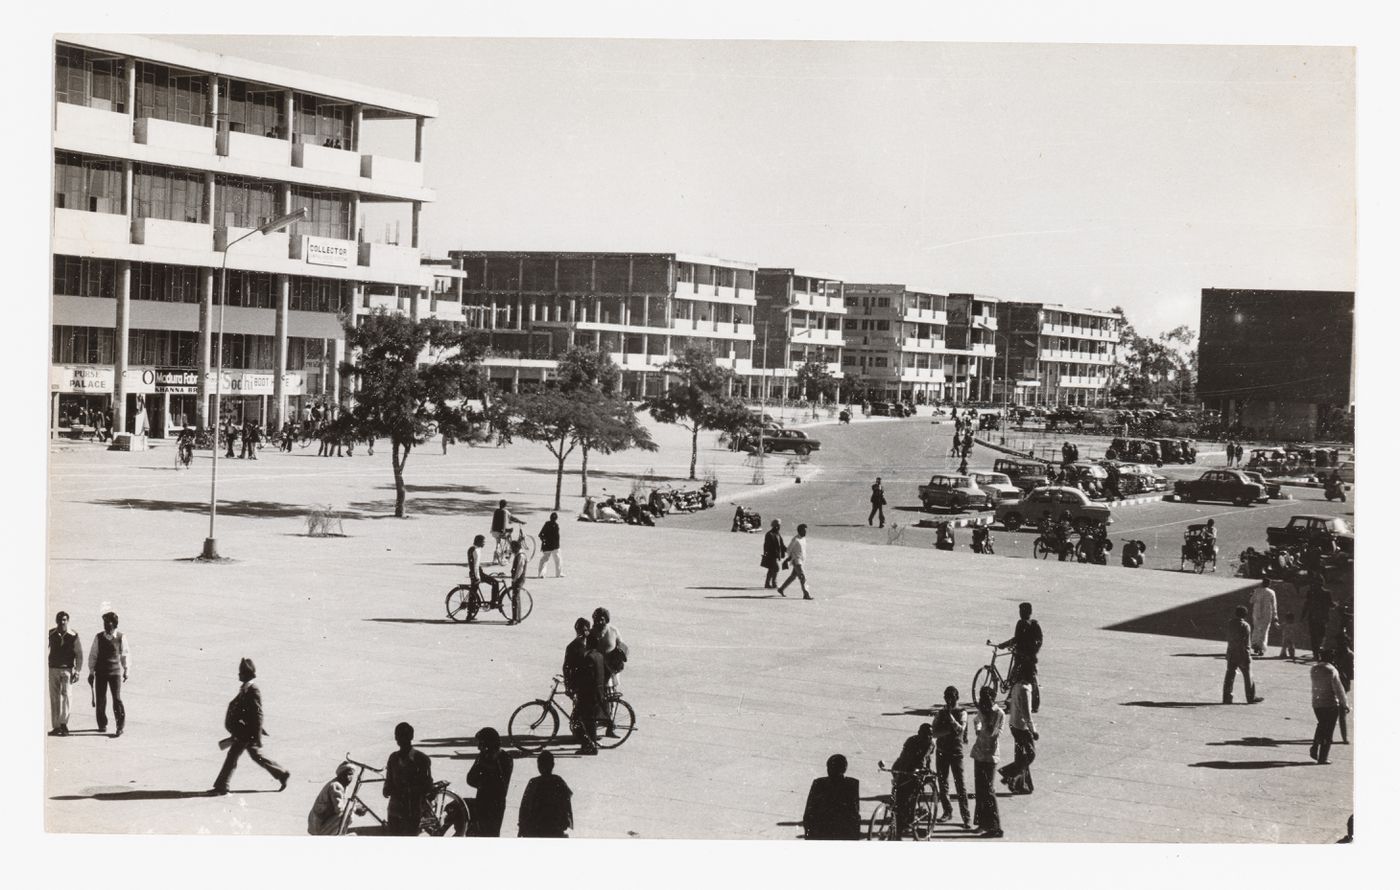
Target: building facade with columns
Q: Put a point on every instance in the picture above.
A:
(798, 320)
(1058, 355)
(164, 157)
(641, 308)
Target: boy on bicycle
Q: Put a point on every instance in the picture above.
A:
(476, 576)
(501, 520)
(906, 768)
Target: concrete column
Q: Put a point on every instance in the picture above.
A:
(336, 351)
(418, 140)
(415, 295)
(290, 109)
(130, 109)
(119, 346)
(417, 211)
(214, 102)
(356, 122)
(515, 380)
(279, 351)
(202, 355)
(355, 219)
(128, 190)
(209, 200)
(573, 320)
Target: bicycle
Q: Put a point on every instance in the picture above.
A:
(465, 601)
(445, 814)
(184, 453)
(881, 825)
(988, 675)
(535, 724)
(528, 544)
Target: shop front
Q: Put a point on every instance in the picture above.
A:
(160, 401)
(80, 397)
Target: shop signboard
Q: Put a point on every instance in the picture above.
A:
(328, 252)
(69, 378)
(294, 383)
(247, 383)
(183, 381)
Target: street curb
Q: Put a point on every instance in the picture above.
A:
(1002, 448)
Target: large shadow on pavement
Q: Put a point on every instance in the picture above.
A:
(1250, 764)
(148, 795)
(1204, 619)
(258, 509)
(382, 509)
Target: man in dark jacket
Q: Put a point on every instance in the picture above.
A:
(546, 807)
(773, 552)
(549, 546)
(244, 722)
(408, 779)
(586, 678)
(833, 805)
(490, 776)
(65, 663)
(877, 503)
(1237, 657)
(1025, 646)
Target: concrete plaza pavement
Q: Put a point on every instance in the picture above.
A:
(740, 695)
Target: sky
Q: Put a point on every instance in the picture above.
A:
(1093, 175)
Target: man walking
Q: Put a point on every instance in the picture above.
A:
(549, 546)
(833, 805)
(774, 551)
(244, 722)
(1329, 701)
(109, 660)
(65, 658)
(797, 556)
(1264, 604)
(1237, 657)
(877, 503)
(408, 778)
(950, 732)
(546, 807)
(1025, 646)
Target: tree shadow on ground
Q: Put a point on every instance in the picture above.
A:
(751, 596)
(1216, 655)
(1250, 741)
(720, 588)
(498, 623)
(423, 507)
(1169, 704)
(1249, 764)
(439, 489)
(606, 474)
(256, 509)
(149, 795)
(1204, 619)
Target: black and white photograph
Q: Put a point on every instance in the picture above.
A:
(628, 432)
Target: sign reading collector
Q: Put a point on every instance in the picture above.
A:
(328, 252)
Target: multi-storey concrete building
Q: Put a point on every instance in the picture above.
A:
(163, 157)
(798, 320)
(641, 308)
(1058, 355)
(913, 345)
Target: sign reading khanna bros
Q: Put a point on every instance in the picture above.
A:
(328, 252)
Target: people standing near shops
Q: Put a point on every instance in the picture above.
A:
(1237, 632)
(1263, 603)
(109, 661)
(912, 758)
(546, 807)
(230, 434)
(832, 812)
(1317, 609)
(1025, 644)
(774, 552)
(251, 437)
(243, 720)
(490, 776)
(1329, 701)
(1017, 775)
(408, 779)
(797, 558)
(877, 503)
(950, 733)
(549, 546)
(65, 663)
(985, 750)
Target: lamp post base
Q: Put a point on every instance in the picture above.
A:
(211, 550)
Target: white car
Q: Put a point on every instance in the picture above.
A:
(998, 486)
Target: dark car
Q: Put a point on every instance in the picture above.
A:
(1143, 451)
(1312, 530)
(955, 492)
(1056, 499)
(1025, 473)
(778, 439)
(1220, 485)
(880, 409)
(1271, 489)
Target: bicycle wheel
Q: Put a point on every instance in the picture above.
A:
(461, 603)
(880, 827)
(528, 545)
(533, 726)
(925, 808)
(1042, 549)
(446, 816)
(1199, 563)
(624, 720)
(986, 676)
(520, 602)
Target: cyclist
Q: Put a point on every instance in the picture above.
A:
(906, 769)
(476, 576)
(184, 445)
(1063, 528)
(1046, 526)
(1025, 645)
(501, 520)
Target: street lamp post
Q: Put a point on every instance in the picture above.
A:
(211, 547)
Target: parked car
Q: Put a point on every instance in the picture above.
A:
(997, 486)
(1024, 473)
(1136, 478)
(1137, 450)
(955, 492)
(1056, 499)
(1220, 485)
(1176, 451)
(880, 409)
(779, 439)
(1086, 476)
(1271, 489)
(1309, 529)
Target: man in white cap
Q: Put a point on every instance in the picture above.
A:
(329, 809)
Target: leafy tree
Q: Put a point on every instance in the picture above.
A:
(697, 397)
(610, 426)
(410, 377)
(816, 381)
(552, 419)
(1152, 368)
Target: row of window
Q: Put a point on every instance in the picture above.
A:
(80, 345)
(93, 277)
(86, 182)
(867, 324)
(98, 80)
